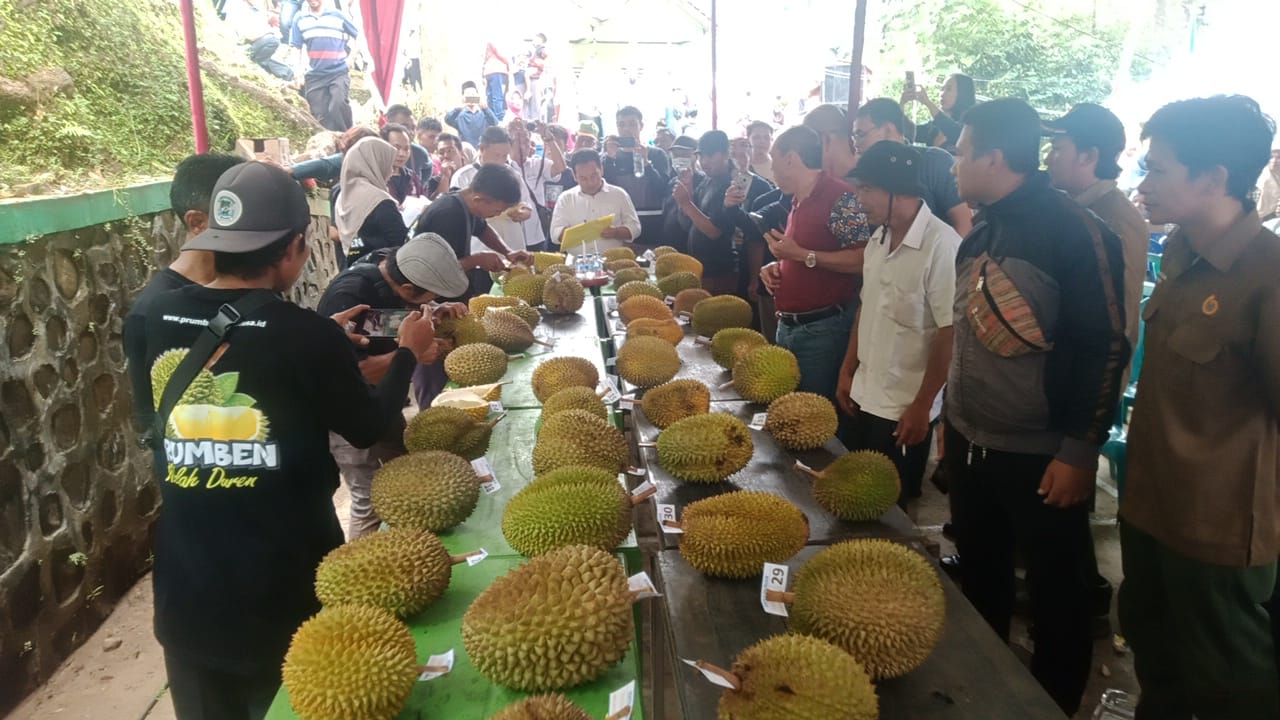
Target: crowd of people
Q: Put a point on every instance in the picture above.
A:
(943, 287)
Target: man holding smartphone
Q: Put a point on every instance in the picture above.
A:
(648, 187)
(421, 270)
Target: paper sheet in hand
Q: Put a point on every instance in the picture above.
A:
(588, 231)
(412, 208)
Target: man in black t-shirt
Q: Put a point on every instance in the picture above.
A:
(417, 273)
(189, 197)
(714, 221)
(248, 495)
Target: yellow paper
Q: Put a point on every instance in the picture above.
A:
(588, 231)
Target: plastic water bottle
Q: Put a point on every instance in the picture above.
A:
(639, 160)
(538, 149)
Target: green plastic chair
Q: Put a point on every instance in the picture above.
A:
(1115, 449)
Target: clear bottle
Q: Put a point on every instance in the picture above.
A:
(538, 149)
(1116, 705)
(639, 161)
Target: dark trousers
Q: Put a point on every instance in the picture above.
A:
(428, 382)
(495, 88)
(869, 432)
(199, 693)
(995, 511)
(263, 50)
(1200, 633)
(330, 101)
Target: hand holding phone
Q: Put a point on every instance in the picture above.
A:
(741, 182)
(377, 322)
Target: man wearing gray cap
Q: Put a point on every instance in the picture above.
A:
(416, 273)
(257, 385)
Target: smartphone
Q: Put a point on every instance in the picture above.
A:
(911, 80)
(381, 322)
(742, 181)
(626, 142)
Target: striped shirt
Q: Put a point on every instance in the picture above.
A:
(325, 36)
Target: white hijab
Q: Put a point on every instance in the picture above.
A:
(365, 170)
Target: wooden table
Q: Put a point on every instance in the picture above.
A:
(971, 674)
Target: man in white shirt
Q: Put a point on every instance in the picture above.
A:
(900, 348)
(519, 227)
(594, 198)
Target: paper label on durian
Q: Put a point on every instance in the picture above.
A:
(610, 362)
(670, 299)
(621, 702)
(774, 578)
(714, 677)
(490, 486)
(642, 587)
(682, 320)
(613, 395)
(477, 557)
(437, 666)
(667, 517)
(496, 406)
(644, 489)
(481, 466)
(626, 403)
(757, 421)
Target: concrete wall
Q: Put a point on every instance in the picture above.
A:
(77, 500)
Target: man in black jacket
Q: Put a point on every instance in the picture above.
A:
(1034, 380)
(649, 189)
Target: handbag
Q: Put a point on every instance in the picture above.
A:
(999, 314)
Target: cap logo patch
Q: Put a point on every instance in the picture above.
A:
(227, 208)
(1210, 306)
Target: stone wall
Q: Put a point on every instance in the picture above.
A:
(77, 499)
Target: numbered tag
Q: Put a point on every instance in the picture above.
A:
(644, 488)
(437, 666)
(642, 587)
(481, 466)
(682, 320)
(477, 557)
(775, 578)
(716, 678)
(621, 701)
(667, 518)
(490, 486)
(613, 395)
(670, 299)
(611, 362)
(757, 421)
(648, 255)
(626, 403)
(496, 406)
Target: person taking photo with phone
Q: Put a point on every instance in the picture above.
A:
(643, 171)
(957, 97)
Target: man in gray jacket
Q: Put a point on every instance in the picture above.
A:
(1035, 373)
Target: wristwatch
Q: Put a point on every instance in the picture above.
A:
(811, 260)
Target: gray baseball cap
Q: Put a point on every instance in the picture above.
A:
(254, 204)
(428, 262)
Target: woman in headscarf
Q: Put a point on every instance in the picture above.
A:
(366, 215)
(944, 130)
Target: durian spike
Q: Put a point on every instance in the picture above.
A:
(459, 559)
(807, 470)
(637, 499)
(780, 596)
(728, 676)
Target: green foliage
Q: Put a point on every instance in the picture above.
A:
(1010, 51)
(128, 115)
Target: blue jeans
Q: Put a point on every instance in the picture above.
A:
(819, 347)
(263, 50)
(288, 10)
(495, 87)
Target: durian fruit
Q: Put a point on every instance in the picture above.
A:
(450, 429)
(577, 437)
(676, 262)
(544, 260)
(880, 601)
(705, 448)
(647, 361)
(559, 373)
(515, 270)
(644, 306)
(719, 312)
(730, 344)
(400, 570)
(575, 398)
(668, 330)
(476, 364)
(203, 389)
(465, 400)
(571, 505)
(488, 392)
(801, 421)
(563, 296)
(350, 662)
(525, 312)
(558, 269)
(543, 707)
(677, 282)
(464, 330)
(626, 275)
(526, 287)
(638, 287)
(795, 677)
(734, 534)
(480, 303)
(614, 266)
(663, 250)
(619, 253)
(766, 374)
(431, 490)
(559, 620)
(687, 299)
(857, 486)
(508, 331)
(675, 400)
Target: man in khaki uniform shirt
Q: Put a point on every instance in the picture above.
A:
(1199, 522)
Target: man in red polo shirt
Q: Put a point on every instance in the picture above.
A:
(816, 278)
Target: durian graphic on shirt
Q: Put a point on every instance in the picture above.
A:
(210, 408)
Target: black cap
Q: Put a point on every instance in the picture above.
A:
(713, 141)
(892, 167)
(254, 204)
(686, 143)
(1092, 126)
